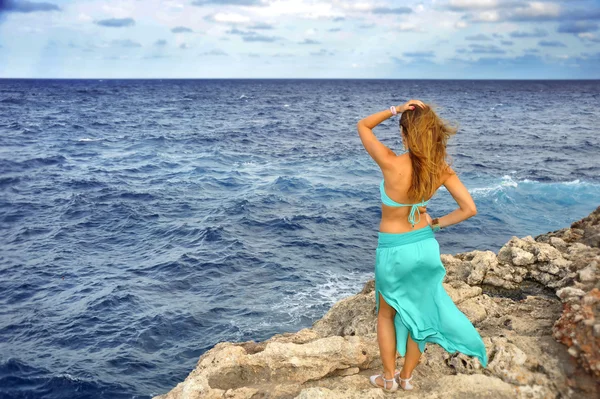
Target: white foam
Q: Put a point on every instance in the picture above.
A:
(507, 183)
(335, 287)
(89, 139)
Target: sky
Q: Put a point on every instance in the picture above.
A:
(435, 39)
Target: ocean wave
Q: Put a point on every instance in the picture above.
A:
(18, 379)
(507, 183)
(13, 100)
(86, 139)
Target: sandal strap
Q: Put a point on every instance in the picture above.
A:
(385, 381)
(407, 379)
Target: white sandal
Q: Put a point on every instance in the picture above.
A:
(393, 388)
(409, 386)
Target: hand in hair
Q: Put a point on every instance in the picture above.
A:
(409, 105)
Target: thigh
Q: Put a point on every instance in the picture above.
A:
(385, 309)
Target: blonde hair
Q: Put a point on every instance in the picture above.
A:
(426, 136)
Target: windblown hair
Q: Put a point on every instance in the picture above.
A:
(426, 136)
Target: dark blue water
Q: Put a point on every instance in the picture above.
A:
(142, 222)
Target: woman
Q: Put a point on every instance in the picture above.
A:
(412, 306)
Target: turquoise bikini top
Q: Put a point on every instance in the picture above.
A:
(390, 202)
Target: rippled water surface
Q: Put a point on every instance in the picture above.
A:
(145, 221)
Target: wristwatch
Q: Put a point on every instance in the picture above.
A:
(435, 224)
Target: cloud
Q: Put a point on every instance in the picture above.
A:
(201, 3)
(26, 6)
(576, 27)
(116, 22)
(181, 29)
(126, 43)
(387, 10)
(309, 41)
(526, 60)
(537, 33)
(338, 19)
(227, 18)
(322, 52)
(252, 36)
(507, 42)
(590, 37)
(589, 56)
(530, 11)
(236, 31)
(535, 11)
(334, 30)
(415, 58)
(551, 43)
(261, 26)
(156, 56)
(160, 43)
(469, 5)
(259, 38)
(409, 28)
(214, 53)
(419, 54)
(116, 57)
(479, 36)
(486, 49)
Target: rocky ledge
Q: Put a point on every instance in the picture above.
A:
(536, 305)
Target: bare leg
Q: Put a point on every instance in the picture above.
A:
(413, 354)
(386, 337)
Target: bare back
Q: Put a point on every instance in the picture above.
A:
(397, 182)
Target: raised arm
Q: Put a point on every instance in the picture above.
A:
(466, 205)
(377, 150)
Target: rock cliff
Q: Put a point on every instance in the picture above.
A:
(536, 304)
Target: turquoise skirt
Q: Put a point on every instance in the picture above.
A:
(409, 274)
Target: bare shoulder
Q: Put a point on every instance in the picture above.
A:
(399, 164)
(446, 174)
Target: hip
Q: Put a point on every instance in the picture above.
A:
(390, 240)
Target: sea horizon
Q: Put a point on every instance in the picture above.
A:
(358, 79)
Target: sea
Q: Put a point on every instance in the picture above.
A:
(144, 221)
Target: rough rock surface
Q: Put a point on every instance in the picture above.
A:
(536, 305)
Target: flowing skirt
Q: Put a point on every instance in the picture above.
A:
(409, 274)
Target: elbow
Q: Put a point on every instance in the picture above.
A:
(472, 211)
(359, 124)
(469, 211)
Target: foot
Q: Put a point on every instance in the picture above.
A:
(396, 374)
(404, 382)
(390, 384)
(379, 381)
